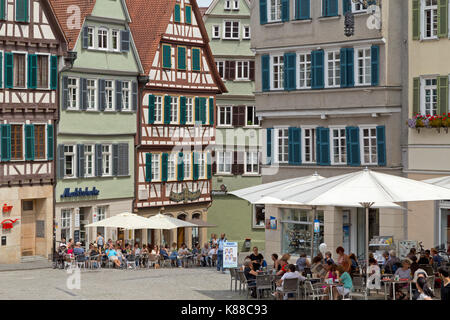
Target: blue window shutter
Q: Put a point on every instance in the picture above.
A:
(29, 142)
(115, 156)
(353, 149)
(265, 68)
(195, 165)
(325, 146)
(53, 72)
(60, 170)
(167, 101)
(317, 69)
(289, 71)
(124, 40)
(188, 14)
(5, 136)
(50, 142)
(118, 95)
(134, 95)
(151, 109)
(332, 8)
(148, 167)
(381, 145)
(164, 166)
(269, 146)
(325, 8)
(197, 109)
(211, 111)
(180, 167)
(319, 145)
(9, 74)
(101, 94)
(285, 10)
(177, 14)
(295, 157)
(80, 160)
(343, 55)
(85, 35)
(302, 9)
(65, 92)
(350, 67)
(21, 10)
(346, 6)
(83, 94)
(262, 11)
(182, 110)
(98, 160)
(375, 58)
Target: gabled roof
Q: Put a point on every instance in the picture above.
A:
(64, 16)
(149, 20)
(216, 2)
(51, 17)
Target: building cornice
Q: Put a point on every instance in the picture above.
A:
(347, 112)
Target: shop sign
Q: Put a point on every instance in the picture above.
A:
(6, 209)
(230, 255)
(185, 195)
(79, 192)
(222, 192)
(271, 223)
(8, 224)
(316, 226)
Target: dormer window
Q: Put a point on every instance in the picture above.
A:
(115, 40)
(235, 4)
(102, 39)
(227, 5)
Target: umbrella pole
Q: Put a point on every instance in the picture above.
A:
(367, 235)
(314, 208)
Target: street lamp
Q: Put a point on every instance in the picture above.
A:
(349, 28)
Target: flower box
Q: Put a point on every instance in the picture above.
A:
(437, 122)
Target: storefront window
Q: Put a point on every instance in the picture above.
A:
(444, 234)
(65, 223)
(258, 216)
(297, 228)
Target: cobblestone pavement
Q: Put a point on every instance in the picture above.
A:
(165, 284)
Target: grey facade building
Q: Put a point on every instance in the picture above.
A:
(329, 104)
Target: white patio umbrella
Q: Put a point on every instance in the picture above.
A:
(164, 222)
(366, 187)
(126, 220)
(441, 182)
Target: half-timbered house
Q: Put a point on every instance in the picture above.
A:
(32, 50)
(178, 115)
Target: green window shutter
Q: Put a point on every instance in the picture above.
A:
(151, 109)
(2, 9)
(9, 67)
(353, 149)
(203, 110)
(381, 145)
(317, 69)
(442, 95)
(53, 72)
(32, 71)
(442, 18)
(295, 146)
(416, 96)
(375, 69)
(29, 142)
(346, 6)
(188, 14)
(164, 166)
(148, 167)
(323, 135)
(262, 11)
(21, 10)
(167, 56)
(343, 56)
(182, 110)
(5, 136)
(180, 167)
(416, 19)
(211, 111)
(181, 58)
(350, 67)
(1, 69)
(208, 166)
(197, 109)
(265, 68)
(177, 14)
(50, 142)
(285, 10)
(195, 59)
(290, 71)
(302, 9)
(195, 165)
(167, 101)
(269, 150)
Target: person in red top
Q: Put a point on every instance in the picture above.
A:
(284, 262)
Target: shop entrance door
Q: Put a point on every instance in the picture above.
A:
(28, 229)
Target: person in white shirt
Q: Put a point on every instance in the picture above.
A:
(183, 252)
(374, 275)
(291, 274)
(211, 254)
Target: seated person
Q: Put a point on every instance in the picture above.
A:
(256, 258)
(302, 263)
(436, 258)
(183, 253)
(112, 256)
(79, 252)
(174, 256)
(328, 257)
(276, 263)
(290, 274)
(250, 275)
(354, 263)
(284, 263)
(212, 254)
(164, 252)
(206, 260)
(346, 283)
(403, 273)
(331, 276)
(374, 275)
(317, 269)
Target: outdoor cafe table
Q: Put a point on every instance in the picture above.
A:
(393, 283)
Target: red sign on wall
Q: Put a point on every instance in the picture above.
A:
(8, 224)
(7, 209)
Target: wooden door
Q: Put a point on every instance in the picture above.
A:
(28, 236)
(180, 237)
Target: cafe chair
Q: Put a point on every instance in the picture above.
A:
(263, 283)
(290, 286)
(359, 288)
(314, 291)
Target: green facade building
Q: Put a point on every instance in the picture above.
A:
(237, 153)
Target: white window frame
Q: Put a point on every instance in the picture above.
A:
(255, 166)
(221, 65)
(241, 67)
(336, 77)
(233, 28)
(72, 87)
(101, 34)
(246, 32)
(227, 5)
(91, 36)
(66, 222)
(224, 162)
(90, 154)
(235, 4)
(423, 8)
(190, 110)
(423, 89)
(358, 8)
(159, 109)
(255, 117)
(115, 34)
(339, 139)
(356, 64)
(126, 96)
(187, 163)
(276, 152)
(302, 67)
(156, 167)
(109, 90)
(257, 226)
(72, 153)
(48, 70)
(174, 114)
(91, 90)
(107, 158)
(219, 114)
(102, 212)
(361, 143)
(202, 165)
(215, 32)
(277, 11)
(280, 65)
(25, 54)
(313, 145)
(172, 167)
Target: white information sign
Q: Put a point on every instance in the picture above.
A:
(230, 255)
